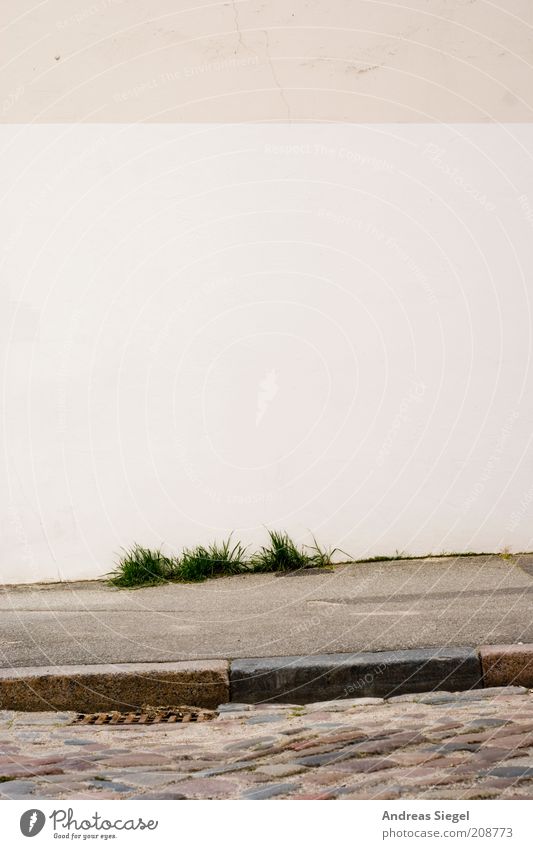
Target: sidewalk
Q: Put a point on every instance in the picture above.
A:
(354, 608)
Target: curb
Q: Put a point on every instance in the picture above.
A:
(125, 686)
(295, 680)
(337, 676)
(505, 665)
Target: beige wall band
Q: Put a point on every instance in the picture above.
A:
(248, 60)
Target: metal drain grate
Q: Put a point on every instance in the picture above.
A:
(146, 716)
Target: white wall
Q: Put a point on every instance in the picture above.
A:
(208, 328)
(265, 60)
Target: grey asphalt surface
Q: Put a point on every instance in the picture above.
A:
(355, 607)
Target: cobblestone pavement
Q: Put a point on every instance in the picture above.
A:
(477, 744)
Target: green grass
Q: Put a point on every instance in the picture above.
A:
(283, 555)
(323, 557)
(197, 564)
(142, 567)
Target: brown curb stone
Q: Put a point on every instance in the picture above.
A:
(507, 665)
(88, 689)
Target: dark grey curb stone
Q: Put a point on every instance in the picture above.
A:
(343, 676)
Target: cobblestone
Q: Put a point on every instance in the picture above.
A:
(432, 746)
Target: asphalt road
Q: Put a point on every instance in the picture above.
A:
(358, 607)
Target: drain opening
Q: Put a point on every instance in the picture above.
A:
(145, 716)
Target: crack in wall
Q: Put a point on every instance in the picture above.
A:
(240, 41)
(274, 75)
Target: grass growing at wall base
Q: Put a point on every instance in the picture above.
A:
(140, 567)
(197, 564)
(281, 555)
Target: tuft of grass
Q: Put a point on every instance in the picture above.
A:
(323, 557)
(197, 564)
(142, 567)
(281, 555)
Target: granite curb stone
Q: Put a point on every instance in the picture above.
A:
(507, 665)
(440, 674)
(121, 687)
